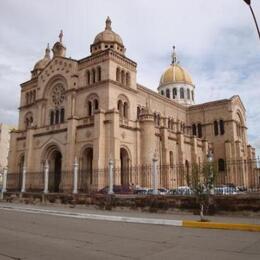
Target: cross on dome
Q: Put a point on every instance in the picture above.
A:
(61, 35)
(108, 24)
(174, 56)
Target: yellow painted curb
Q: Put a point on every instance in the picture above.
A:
(215, 225)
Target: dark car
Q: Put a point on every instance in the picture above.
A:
(118, 189)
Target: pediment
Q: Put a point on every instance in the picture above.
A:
(58, 65)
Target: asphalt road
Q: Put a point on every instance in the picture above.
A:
(36, 236)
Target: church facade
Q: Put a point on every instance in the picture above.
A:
(93, 110)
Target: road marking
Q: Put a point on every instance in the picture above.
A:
(77, 215)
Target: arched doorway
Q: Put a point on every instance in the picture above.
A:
(124, 166)
(86, 173)
(20, 173)
(55, 162)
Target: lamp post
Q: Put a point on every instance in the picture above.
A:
(210, 160)
(248, 2)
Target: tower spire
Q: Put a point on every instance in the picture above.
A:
(174, 56)
(47, 51)
(108, 24)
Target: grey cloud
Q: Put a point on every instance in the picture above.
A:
(216, 41)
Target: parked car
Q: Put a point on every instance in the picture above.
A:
(118, 189)
(141, 191)
(225, 190)
(163, 191)
(184, 190)
(172, 192)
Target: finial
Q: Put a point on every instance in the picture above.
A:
(174, 56)
(108, 23)
(47, 51)
(61, 36)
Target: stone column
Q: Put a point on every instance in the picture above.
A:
(155, 175)
(23, 189)
(46, 177)
(75, 176)
(111, 165)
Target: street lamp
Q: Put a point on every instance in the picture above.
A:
(248, 2)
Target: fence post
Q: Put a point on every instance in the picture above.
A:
(111, 165)
(155, 175)
(23, 188)
(46, 176)
(75, 176)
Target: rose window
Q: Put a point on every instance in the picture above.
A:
(58, 95)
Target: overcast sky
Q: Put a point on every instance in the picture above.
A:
(216, 42)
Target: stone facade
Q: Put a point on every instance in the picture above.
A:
(93, 109)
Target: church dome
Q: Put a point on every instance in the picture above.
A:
(176, 83)
(175, 74)
(42, 63)
(108, 35)
(107, 39)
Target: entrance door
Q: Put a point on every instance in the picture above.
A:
(124, 159)
(55, 172)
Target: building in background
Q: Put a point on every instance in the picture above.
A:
(93, 110)
(4, 146)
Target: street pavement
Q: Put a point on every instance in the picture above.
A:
(26, 235)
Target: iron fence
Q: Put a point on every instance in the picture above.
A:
(242, 174)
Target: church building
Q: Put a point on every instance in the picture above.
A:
(92, 111)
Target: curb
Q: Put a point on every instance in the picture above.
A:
(136, 220)
(217, 225)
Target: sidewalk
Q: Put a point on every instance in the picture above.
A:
(176, 218)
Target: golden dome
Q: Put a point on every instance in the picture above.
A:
(108, 35)
(175, 74)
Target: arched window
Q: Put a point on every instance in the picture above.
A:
(158, 120)
(171, 159)
(162, 92)
(89, 108)
(93, 75)
(28, 120)
(138, 113)
(125, 110)
(120, 107)
(57, 116)
(52, 116)
(167, 93)
(118, 74)
(216, 128)
(99, 73)
(169, 123)
(181, 93)
(188, 93)
(174, 93)
(127, 79)
(192, 95)
(221, 165)
(123, 77)
(194, 129)
(199, 130)
(222, 127)
(96, 104)
(62, 115)
(88, 77)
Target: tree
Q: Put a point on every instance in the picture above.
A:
(201, 182)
